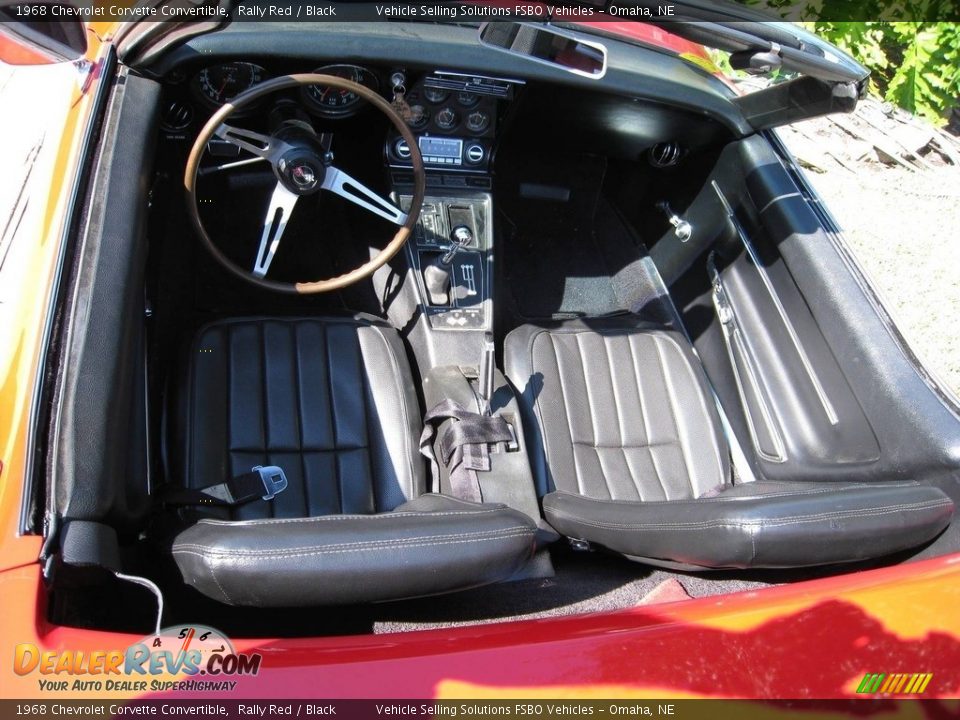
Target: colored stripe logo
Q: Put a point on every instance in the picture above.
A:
(894, 683)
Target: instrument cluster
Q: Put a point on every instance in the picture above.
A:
(454, 115)
(218, 84)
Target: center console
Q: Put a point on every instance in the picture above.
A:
(455, 118)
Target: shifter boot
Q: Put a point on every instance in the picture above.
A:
(436, 278)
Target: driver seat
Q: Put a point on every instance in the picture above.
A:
(331, 401)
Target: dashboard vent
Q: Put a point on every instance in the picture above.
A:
(176, 116)
(665, 154)
(478, 84)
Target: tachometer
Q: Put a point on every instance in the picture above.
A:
(334, 102)
(219, 84)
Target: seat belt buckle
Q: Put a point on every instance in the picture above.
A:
(274, 481)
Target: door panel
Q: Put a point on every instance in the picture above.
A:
(814, 382)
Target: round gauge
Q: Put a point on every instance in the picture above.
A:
(334, 102)
(467, 99)
(435, 95)
(419, 117)
(478, 121)
(219, 84)
(447, 119)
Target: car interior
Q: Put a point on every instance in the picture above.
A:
(452, 336)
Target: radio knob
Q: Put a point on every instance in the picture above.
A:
(475, 153)
(402, 149)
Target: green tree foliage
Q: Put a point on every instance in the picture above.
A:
(909, 46)
(915, 65)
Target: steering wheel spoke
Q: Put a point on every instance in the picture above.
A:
(281, 206)
(263, 146)
(337, 181)
(300, 158)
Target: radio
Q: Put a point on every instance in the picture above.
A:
(443, 152)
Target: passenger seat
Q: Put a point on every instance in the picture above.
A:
(627, 453)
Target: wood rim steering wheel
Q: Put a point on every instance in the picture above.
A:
(303, 166)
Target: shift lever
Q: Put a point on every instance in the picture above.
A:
(461, 237)
(485, 380)
(437, 275)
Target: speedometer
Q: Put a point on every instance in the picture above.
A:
(219, 84)
(334, 102)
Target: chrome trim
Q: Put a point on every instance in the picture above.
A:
(593, 44)
(733, 339)
(454, 73)
(828, 408)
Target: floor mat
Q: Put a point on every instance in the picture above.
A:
(585, 582)
(566, 250)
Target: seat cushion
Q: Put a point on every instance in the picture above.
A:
(329, 400)
(431, 545)
(760, 524)
(616, 410)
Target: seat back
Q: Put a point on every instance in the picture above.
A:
(618, 411)
(329, 400)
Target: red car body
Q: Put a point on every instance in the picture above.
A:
(813, 639)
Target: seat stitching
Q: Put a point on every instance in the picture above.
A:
(703, 406)
(674, 415)
(386, 541)
(643, 416)
(370, 451)
(403, 403)
(593, 425)
(293, 553)
(264, 395)
(538, 410)
(620, 424)
(328, 381)
(566, 410)
(799, 520)
(625, 447)
(228, 427)
(298, 387)
(213, 574)
(328, 518)
(734, 498)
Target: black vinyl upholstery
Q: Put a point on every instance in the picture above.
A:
(332, 402)
(329, 400)
(625, 411)
(627, 450)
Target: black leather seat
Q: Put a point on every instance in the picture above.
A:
(332, 402)
(627, 451)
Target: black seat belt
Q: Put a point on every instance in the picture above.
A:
(263, 481)
(464, 445)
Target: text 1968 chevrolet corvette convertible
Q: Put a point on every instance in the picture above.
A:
(337, 330)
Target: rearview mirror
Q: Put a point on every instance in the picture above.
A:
(547, 45)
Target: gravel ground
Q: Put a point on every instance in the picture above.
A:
(904, 228)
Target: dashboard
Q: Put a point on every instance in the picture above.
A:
(455, 116)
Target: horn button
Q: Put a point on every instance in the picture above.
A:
(301, 171)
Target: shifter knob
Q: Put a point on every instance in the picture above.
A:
(461, 236)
